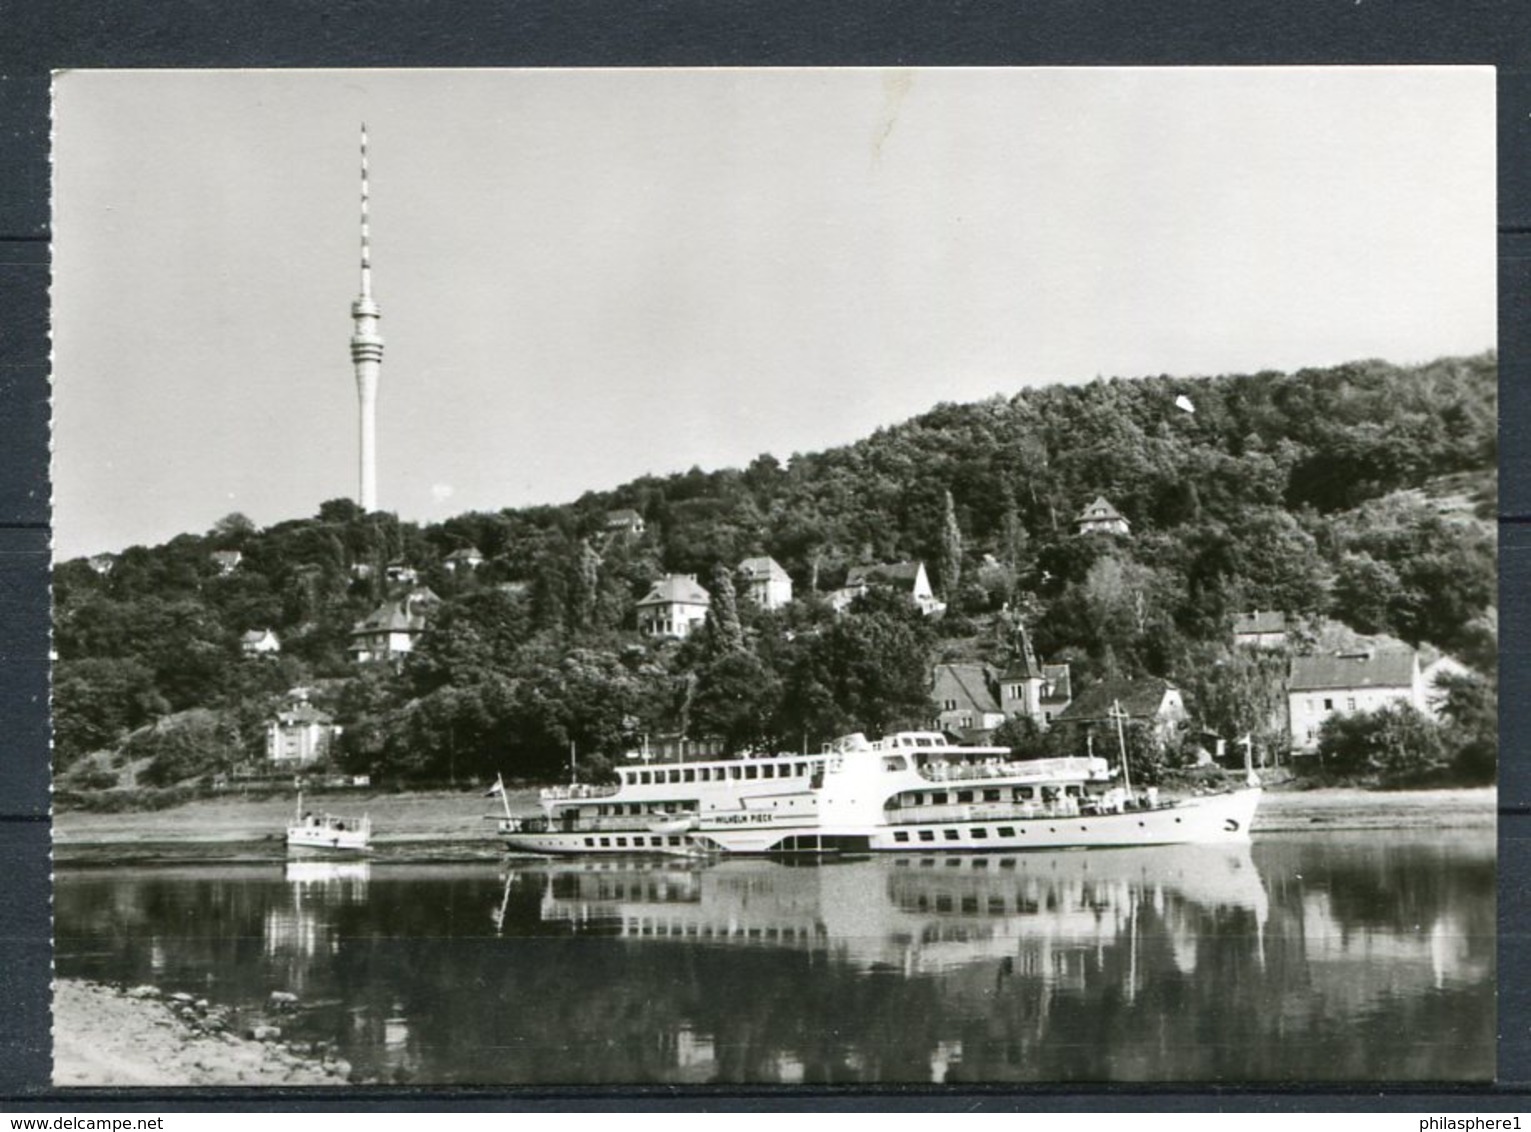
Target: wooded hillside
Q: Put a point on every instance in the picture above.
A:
(1363, 493)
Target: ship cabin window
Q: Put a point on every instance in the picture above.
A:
(635, 808)
(991, 795)
(590, 841)
(751, 772)
(704, 775)
(689, 776)
(802, 769)
(644, 778)
(1074, 791)
(927, 835)
(768, 771)
(674, 841)
(938, 798)
(735, 772)
(895, 762)
(606, 842)
(950, 834)
(1007, 831)
(1023, 793)
(978, 834)
(964, 795)
(900, 835)
(621, 843)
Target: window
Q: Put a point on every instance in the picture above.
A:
(688, 776)
(621, 843)
(751, 772)
(1350, 704)
(938, 798)
(606, 842)
(733, 772)
(949, 834)
(979, 834)
(1007, 831)
(901, 835)
(964, 795)
(948, 705)
(590, 841)
(674, 841)
(991, 795)
(644, 778)
(768, 771)
(927, 835)
(1328, 705)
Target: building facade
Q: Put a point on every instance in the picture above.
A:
(675, 606)
(1347, 682)
(300, 735)
(765, 582)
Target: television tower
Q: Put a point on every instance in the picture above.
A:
(366, 355)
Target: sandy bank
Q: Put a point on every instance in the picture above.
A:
(1287, 811)
(426, 816)
(105, 1036)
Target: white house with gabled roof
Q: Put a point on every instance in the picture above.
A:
(674, 606)
(765, 582)
(1347, 682)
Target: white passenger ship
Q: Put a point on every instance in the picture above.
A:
(910, 791)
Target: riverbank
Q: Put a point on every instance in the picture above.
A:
(103, 1036)
(413, 824)
(1343, 808)
(397, 819)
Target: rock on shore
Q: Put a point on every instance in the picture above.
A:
(106, 1036)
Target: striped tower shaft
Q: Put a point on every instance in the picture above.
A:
(366, 356)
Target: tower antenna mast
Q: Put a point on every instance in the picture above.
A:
(366, 355)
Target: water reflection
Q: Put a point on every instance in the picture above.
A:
(1301, 959)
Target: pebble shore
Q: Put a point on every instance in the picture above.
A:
(110, 1036)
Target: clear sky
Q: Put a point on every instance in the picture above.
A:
(586, 276)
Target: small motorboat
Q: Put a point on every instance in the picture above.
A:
(327, 835)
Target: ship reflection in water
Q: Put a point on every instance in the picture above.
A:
(1295, 959)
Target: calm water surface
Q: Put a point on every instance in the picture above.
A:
(1298, 958)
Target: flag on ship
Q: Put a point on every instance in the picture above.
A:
(496, 789)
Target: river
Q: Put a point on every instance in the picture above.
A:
(1325, 957)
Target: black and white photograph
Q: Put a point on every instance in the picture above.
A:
(774, 577)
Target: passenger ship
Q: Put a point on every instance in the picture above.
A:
(910, 791)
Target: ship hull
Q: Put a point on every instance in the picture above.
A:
(1212, 819)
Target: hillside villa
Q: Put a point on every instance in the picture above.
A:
(765, 582)
(674, 606)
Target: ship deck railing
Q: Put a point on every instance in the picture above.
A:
(576, 791)
(1015, 811)
(613, 823)
(1068, 767)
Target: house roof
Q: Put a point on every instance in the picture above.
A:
(391, 617)
(1059, 681)
(1099, 511)
(765, 567)
(1361, 668)
(1140, 699)
(1024, 666)
(969, 684)
(903, 575)
(302, 713)
(465, 554)
(622, 517)
(256, 636)
(676, 589)
(1260, 621)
